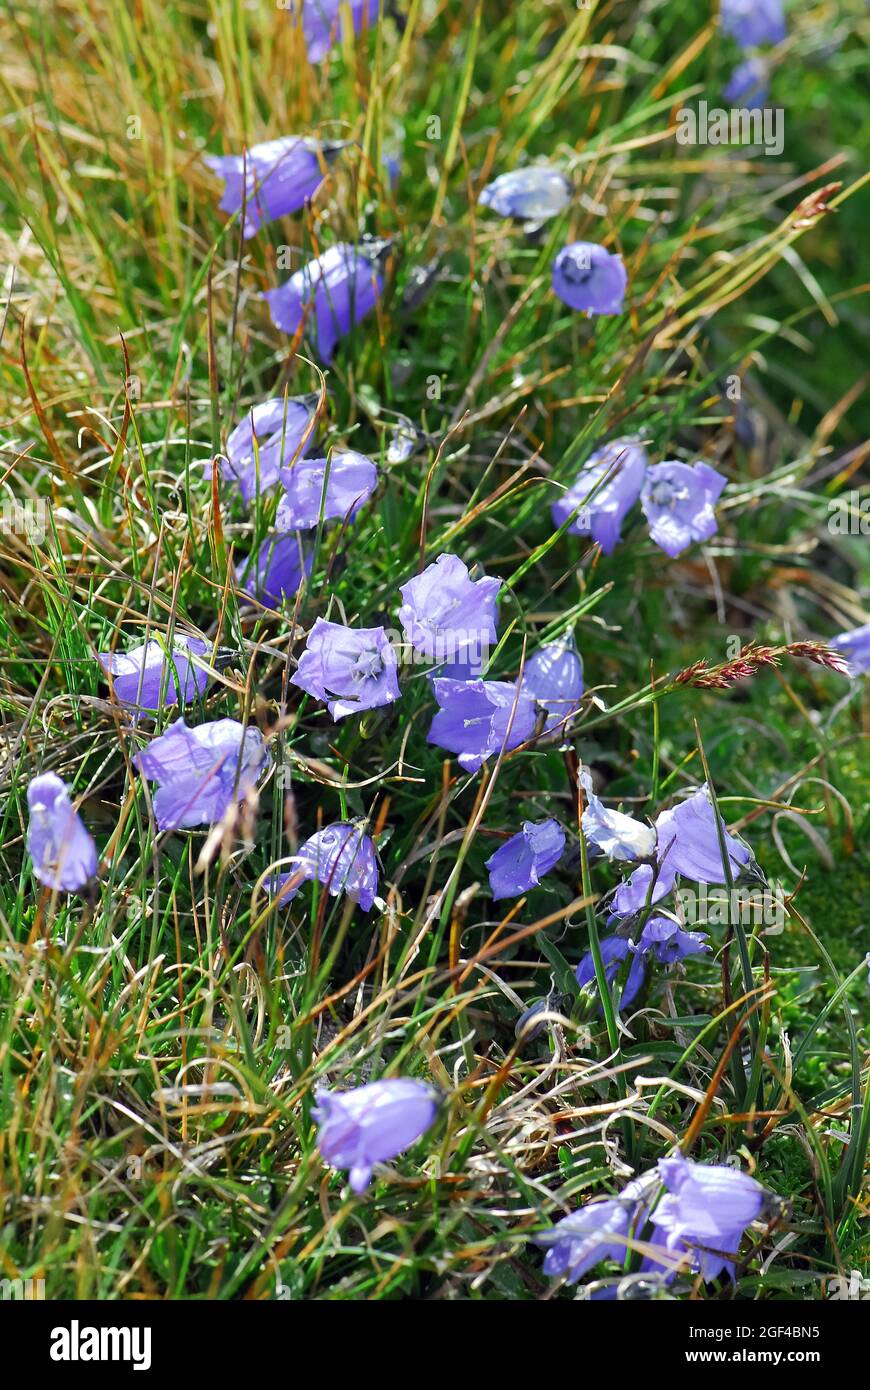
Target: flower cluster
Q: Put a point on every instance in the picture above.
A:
(685, 842)
(697, 1212)
(677, 498)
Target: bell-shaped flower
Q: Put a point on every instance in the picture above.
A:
(667, 942)
(149, 676)
(329, 295)
(342, 858)
(605, 490)
(201, 772)
(350, 668)
(612, 832)
(63, 853)
(339, 486)
(477, 719)
(321, 22)
(614, 950)
(749, 84)
(276, 572)
(687, 841)
(705, 1211)
(588, 278)
(272, 179)
(533, 194)
(855, 646)
(631, 896)
(553, 676)
(445, 615)
(284, 432)
(754, 22)
(678, 500)
(372, 1124)
(523, 860)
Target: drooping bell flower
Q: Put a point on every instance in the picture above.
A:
(678, 500)
(588, 278)
(631, 896)
(63, 853)
(447, 616)
(372, 1124)
(754, 22)
(272, 179)
(855, 646)
(329, 295)
(321, 22)
(553, 676)
(350, 668)
(284, 432)
(705, 1211)
(704, 1205)
(595, 1232)
(342, 858)
(614, 950)
(340, 486)
(275, 573)
(478, 718)
(149, 676)
(533, 194)
(687, 841)
(604, 491)
(666, 940)
(523, 860)
(612, 832)
(749, 84)
(201, 772)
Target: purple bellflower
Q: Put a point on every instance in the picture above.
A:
(272, 179)
(342, 858)
(588, 278)
(276, 572)
(749, 84)
(340, 485)
(631, 896)
(855, 646)
(523, 860)
(284, 431)
(533, 194)
(706, 1205)
(612, 832)
(604, 505)
(371, 1124)
(553, 675)
(63, 853)
(754, 22)
(447, 616)
(678, 499)
(350, 668)
(148, 676)
(665, 939)
(687, 841)
(478, 718)
(595, 1232)
(321, 23)
(201, 772)
(614, 950)
(330, 294)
